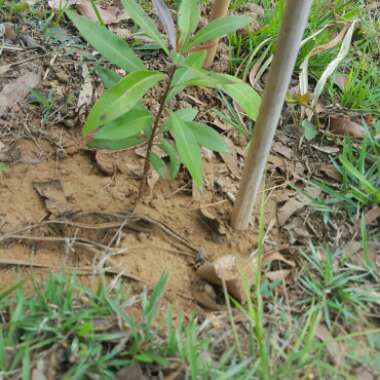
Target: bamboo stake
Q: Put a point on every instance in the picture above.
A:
(219, 9)
(292, 29)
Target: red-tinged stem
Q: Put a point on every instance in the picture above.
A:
(155, 128)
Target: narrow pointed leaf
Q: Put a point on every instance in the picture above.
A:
(108, 77)
(120, 98)
(144, 22)
(218, 28)
(208, 137)
(189, 13)
(188, 148)
(114, 49)
(127, 125)
(116, 144)
(184, 74)
(158, 164)
(166, 19)
(185, 114)
(175, 161)
(247, 98)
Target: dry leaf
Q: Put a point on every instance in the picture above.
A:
(288, 209)
(372, 215)
(280, 274)
(60, 4)
(215, 226)
(9, 153)
(340, 80)
(131, 372)
(38, 372)
(152, 179)
(85, 95)
(331, 172)
(335, 350)
(327, 149)
(14, 92)
(282, 149)
(109, 15)
(362, 373)
(276, 256)
(231, 159)
(226, 269)
(343, 125)
(51, 191)
(106, 162)
(206, 298)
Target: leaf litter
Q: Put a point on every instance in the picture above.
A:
(90, 190)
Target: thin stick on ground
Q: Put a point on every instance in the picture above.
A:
(156, 125)
(294, 23)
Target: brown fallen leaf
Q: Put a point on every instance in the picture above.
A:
(214, 225)
(231, 159)
(344, 124)
(331, 172)
(334, 349)
(61, 4)
(109, 15)
(362, 373)
(341, 80)
(227, 270)
(14, 92)
(206, 298)
(327, 149)
(106, 162)
(85, 95)
(288, 209)
(282, 149)
(152, 179)
(372, 215)
(9, 153)
(131, 372)
(276, 256)
(38, 372)
(280, 274)
(51, 191)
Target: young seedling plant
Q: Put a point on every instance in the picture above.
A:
(119, 118)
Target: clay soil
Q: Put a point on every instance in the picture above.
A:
(72, 195)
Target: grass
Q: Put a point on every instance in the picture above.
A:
(359, 167)
(96, 333)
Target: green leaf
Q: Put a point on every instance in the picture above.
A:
(120, 98)
(106, 43)
(127, 125)
(158, 164)
(144, 22)
(185, 114)
(309, 130)
(208, 137)
(116, 144)
(188, 148)
(108, 77)
(219, 28)
(175, 161)
(189, 13)
(184, 74)
(241, 92)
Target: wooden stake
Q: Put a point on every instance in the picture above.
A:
(292, 29)
(219, 9)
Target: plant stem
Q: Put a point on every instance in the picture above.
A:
(156, 122)
(97, 13)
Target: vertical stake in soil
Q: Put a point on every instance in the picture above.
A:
(219, 9)
(156, 125)
(292, 29)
